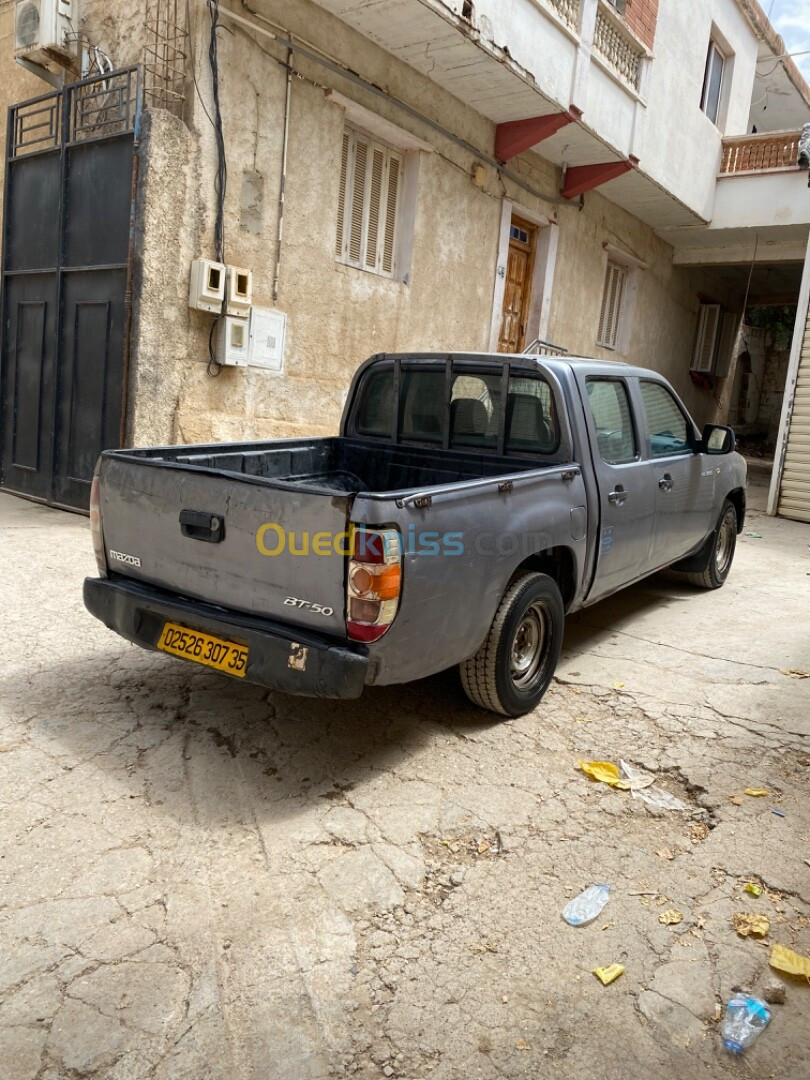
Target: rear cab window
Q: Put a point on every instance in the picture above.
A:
(459, 409)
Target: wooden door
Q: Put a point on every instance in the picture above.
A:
(517, 293)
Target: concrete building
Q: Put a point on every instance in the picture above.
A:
(618, 178)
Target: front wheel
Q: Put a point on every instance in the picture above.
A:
(720, 551)
(513, 668)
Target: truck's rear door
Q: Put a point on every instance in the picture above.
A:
(238, 542)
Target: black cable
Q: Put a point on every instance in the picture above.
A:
(221, 181)
(214, 368)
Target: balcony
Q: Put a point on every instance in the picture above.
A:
(614, 44)
(772, 152)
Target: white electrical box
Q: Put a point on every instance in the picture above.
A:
(206, 291)
(233, 336)
(239, 291)
(42, 27)
(268, 330)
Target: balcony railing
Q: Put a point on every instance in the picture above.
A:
(760, 153)
(618, 48)
(568, 10)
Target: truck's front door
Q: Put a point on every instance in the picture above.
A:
(684, 479)
(626, 493)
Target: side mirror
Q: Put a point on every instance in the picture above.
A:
(718, 439)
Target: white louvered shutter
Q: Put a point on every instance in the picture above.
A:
(341, 214)
(708, 329)
(610, 312)
(794, 490)
(368, 204)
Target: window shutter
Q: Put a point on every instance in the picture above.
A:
(358, 199)
(391, 215)
(368, 204)
(341, 214)
(610, 312)
(708, 329)
(374, 207)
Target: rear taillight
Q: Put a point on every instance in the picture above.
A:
(95, 525)
(374, 582)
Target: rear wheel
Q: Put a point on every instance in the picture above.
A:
(513, 668)
(719, 551)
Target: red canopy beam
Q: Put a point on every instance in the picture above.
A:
(582, 178)
(515, 136)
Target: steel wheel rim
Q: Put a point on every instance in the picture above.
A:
(725, 544)
(528, 647)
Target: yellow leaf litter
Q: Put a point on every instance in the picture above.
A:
(605, 772)
(607, 975)
(670, 917)
(756, 792)
(784, 959)
(755, 925)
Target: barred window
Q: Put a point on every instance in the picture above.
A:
(368, 204)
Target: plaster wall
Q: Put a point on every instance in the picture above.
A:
(682, 147)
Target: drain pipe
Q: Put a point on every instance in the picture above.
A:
(283, 184)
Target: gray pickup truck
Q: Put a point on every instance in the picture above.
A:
(470, 501)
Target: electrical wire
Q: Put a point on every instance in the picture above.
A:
(221, 179)
(193, 59)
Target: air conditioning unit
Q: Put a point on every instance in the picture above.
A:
(46, 29)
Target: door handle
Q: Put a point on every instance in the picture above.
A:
(200, 525)
(618, 496)
(665, 483)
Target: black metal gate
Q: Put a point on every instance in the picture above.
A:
(67, 225)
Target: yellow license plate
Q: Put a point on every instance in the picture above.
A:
(204, 649)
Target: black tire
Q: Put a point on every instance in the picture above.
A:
(719, 551)
(513, 668)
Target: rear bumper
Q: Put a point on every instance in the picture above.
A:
(280, 657)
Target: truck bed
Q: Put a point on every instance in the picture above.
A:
(339, 465)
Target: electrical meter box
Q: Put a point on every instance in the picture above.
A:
(206, 290)
(239, 291)
(233, 336)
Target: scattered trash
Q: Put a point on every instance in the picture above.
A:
(746, 1017)
(698, 831)
(794, 673)
(607, 975)
(778, 812)
(645, 892)
(585, 907)
(784, 959)
(718, 1012)
(755, 890)
(521, 1044)
(618, 686)
(754, 536)
(665, 853)
(643, 786)
(755, 925)
(483, 847)
(736, 799)
(609, 926)
(756, 792)
(774, 993)
(670, 917)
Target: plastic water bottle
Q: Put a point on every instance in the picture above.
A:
(745, 1017)
(585, 907)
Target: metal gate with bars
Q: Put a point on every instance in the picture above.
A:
(66, 278)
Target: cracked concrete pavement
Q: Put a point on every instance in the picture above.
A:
(202, 880)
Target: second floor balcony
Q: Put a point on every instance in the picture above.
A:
(775, 151)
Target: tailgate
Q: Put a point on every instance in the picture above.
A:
(141, 506)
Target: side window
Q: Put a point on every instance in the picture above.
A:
(713, 77)
(422, 405)
(610, 407)
(668, 427)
